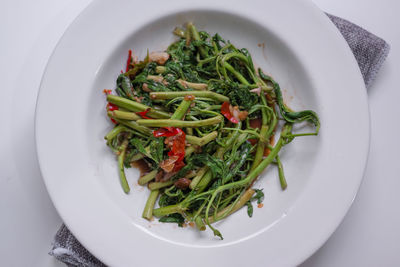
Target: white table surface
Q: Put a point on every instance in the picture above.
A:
(29, 31)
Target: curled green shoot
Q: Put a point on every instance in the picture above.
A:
(287, 114)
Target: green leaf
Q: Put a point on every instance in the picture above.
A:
(137, 68)
(216, 165)
(249, 209)
(173, 218)
(157, 87)
(124, 85)
(217, 233)
(174, 69)
(218, 40)
(140, 145)
(259, 196)
(164, 200)
(157, 149)
(171, 196)
(128, 156)
(140, 78)
(242, 97)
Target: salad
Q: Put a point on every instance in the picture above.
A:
(203, 124)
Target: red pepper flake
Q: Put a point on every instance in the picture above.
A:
(260, 205)
(107, 91)
(227, 113)
(128, 62)
(143, 113)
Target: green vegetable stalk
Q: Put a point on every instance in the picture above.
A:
(135, 106)
(121, 157)
(147, 178)
(171, 95)
(179, 123)
(148, 209)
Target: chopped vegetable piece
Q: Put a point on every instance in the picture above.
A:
(226, 111)
(143, 113)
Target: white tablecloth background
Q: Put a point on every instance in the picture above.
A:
(29, 31)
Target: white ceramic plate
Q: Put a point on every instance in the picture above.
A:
(292, 40)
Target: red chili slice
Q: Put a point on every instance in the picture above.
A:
(227, 113)
(162, 132)
(166, 131)
(111, 107)
(177, 152)
(143, 114)
(128, 62)
(178, 146)
(178, 165)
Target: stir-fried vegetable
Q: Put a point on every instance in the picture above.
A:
(203, 121)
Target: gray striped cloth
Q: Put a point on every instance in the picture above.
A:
(370, 52)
